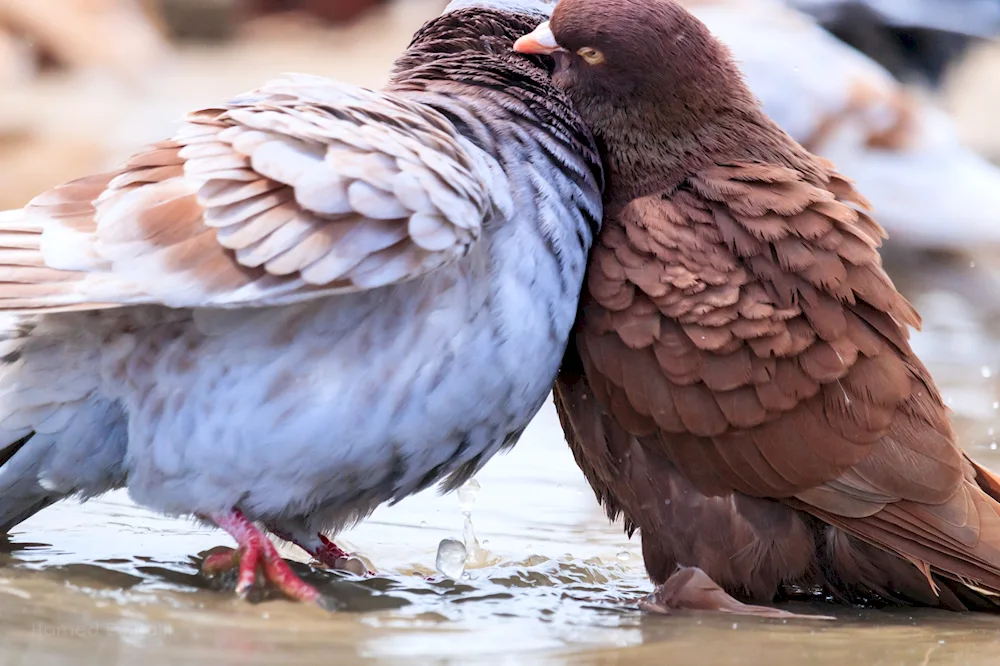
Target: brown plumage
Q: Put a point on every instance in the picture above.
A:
(741, 386)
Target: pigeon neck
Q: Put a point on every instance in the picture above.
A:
(646, 153)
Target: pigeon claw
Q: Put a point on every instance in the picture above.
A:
(329, 552)
(333, 556)
(220, 562)
(258, 555)
(325, 551)
(691, 589)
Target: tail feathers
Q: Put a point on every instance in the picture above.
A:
(21, 493)
(958, 541)
(857, 572)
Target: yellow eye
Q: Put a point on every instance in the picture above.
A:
(591, 56)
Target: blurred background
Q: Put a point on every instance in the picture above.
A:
(904, 95)
(85, 82)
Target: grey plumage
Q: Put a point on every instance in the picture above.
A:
(397, 321)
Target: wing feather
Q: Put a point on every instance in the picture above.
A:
(302, 188)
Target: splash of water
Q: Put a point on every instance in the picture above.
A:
(467, 495)
(451, 556)
(476, 555)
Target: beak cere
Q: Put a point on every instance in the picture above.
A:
(539, 42)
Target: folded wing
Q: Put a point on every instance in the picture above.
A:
(742, 328)
(302, 188)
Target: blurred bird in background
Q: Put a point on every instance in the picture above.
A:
(916, 40)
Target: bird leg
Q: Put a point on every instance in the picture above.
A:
(323, 550)
(690, 588)
(256, 553)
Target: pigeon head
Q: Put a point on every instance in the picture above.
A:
(648, 78)
(636, 52)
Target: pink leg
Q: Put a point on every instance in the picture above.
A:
(329, 551)
(256, 550)
(323, 550)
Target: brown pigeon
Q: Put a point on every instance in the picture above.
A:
(741, 386)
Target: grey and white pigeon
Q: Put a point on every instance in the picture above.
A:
(311, 300)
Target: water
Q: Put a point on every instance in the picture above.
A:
(450, 560)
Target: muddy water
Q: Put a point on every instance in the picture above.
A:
(550, 581)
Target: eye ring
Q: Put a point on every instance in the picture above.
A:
(590, 55)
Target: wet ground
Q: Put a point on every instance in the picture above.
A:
(550, 580)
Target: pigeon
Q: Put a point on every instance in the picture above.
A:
(311, 300)
(740, 385)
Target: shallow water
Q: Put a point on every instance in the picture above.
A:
(551, 581)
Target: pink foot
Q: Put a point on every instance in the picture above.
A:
(329, 551)
(257, 553)
(690, 588)
(325, 552)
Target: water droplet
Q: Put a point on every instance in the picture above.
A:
(972, 264)
(990, 432)
(451, 558)
(667, 502)
(467, 495)
(474, 555)
(993, 446)
(735, 625)
(985, 371)
(996, 405)
(624, 556)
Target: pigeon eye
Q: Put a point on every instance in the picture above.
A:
(591, 56)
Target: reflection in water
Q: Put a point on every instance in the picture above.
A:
(546, 579)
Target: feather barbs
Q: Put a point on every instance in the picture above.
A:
(302, 188)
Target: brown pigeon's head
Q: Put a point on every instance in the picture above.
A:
(647, 76)
(639, 52)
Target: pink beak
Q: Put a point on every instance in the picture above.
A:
(539, 42)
